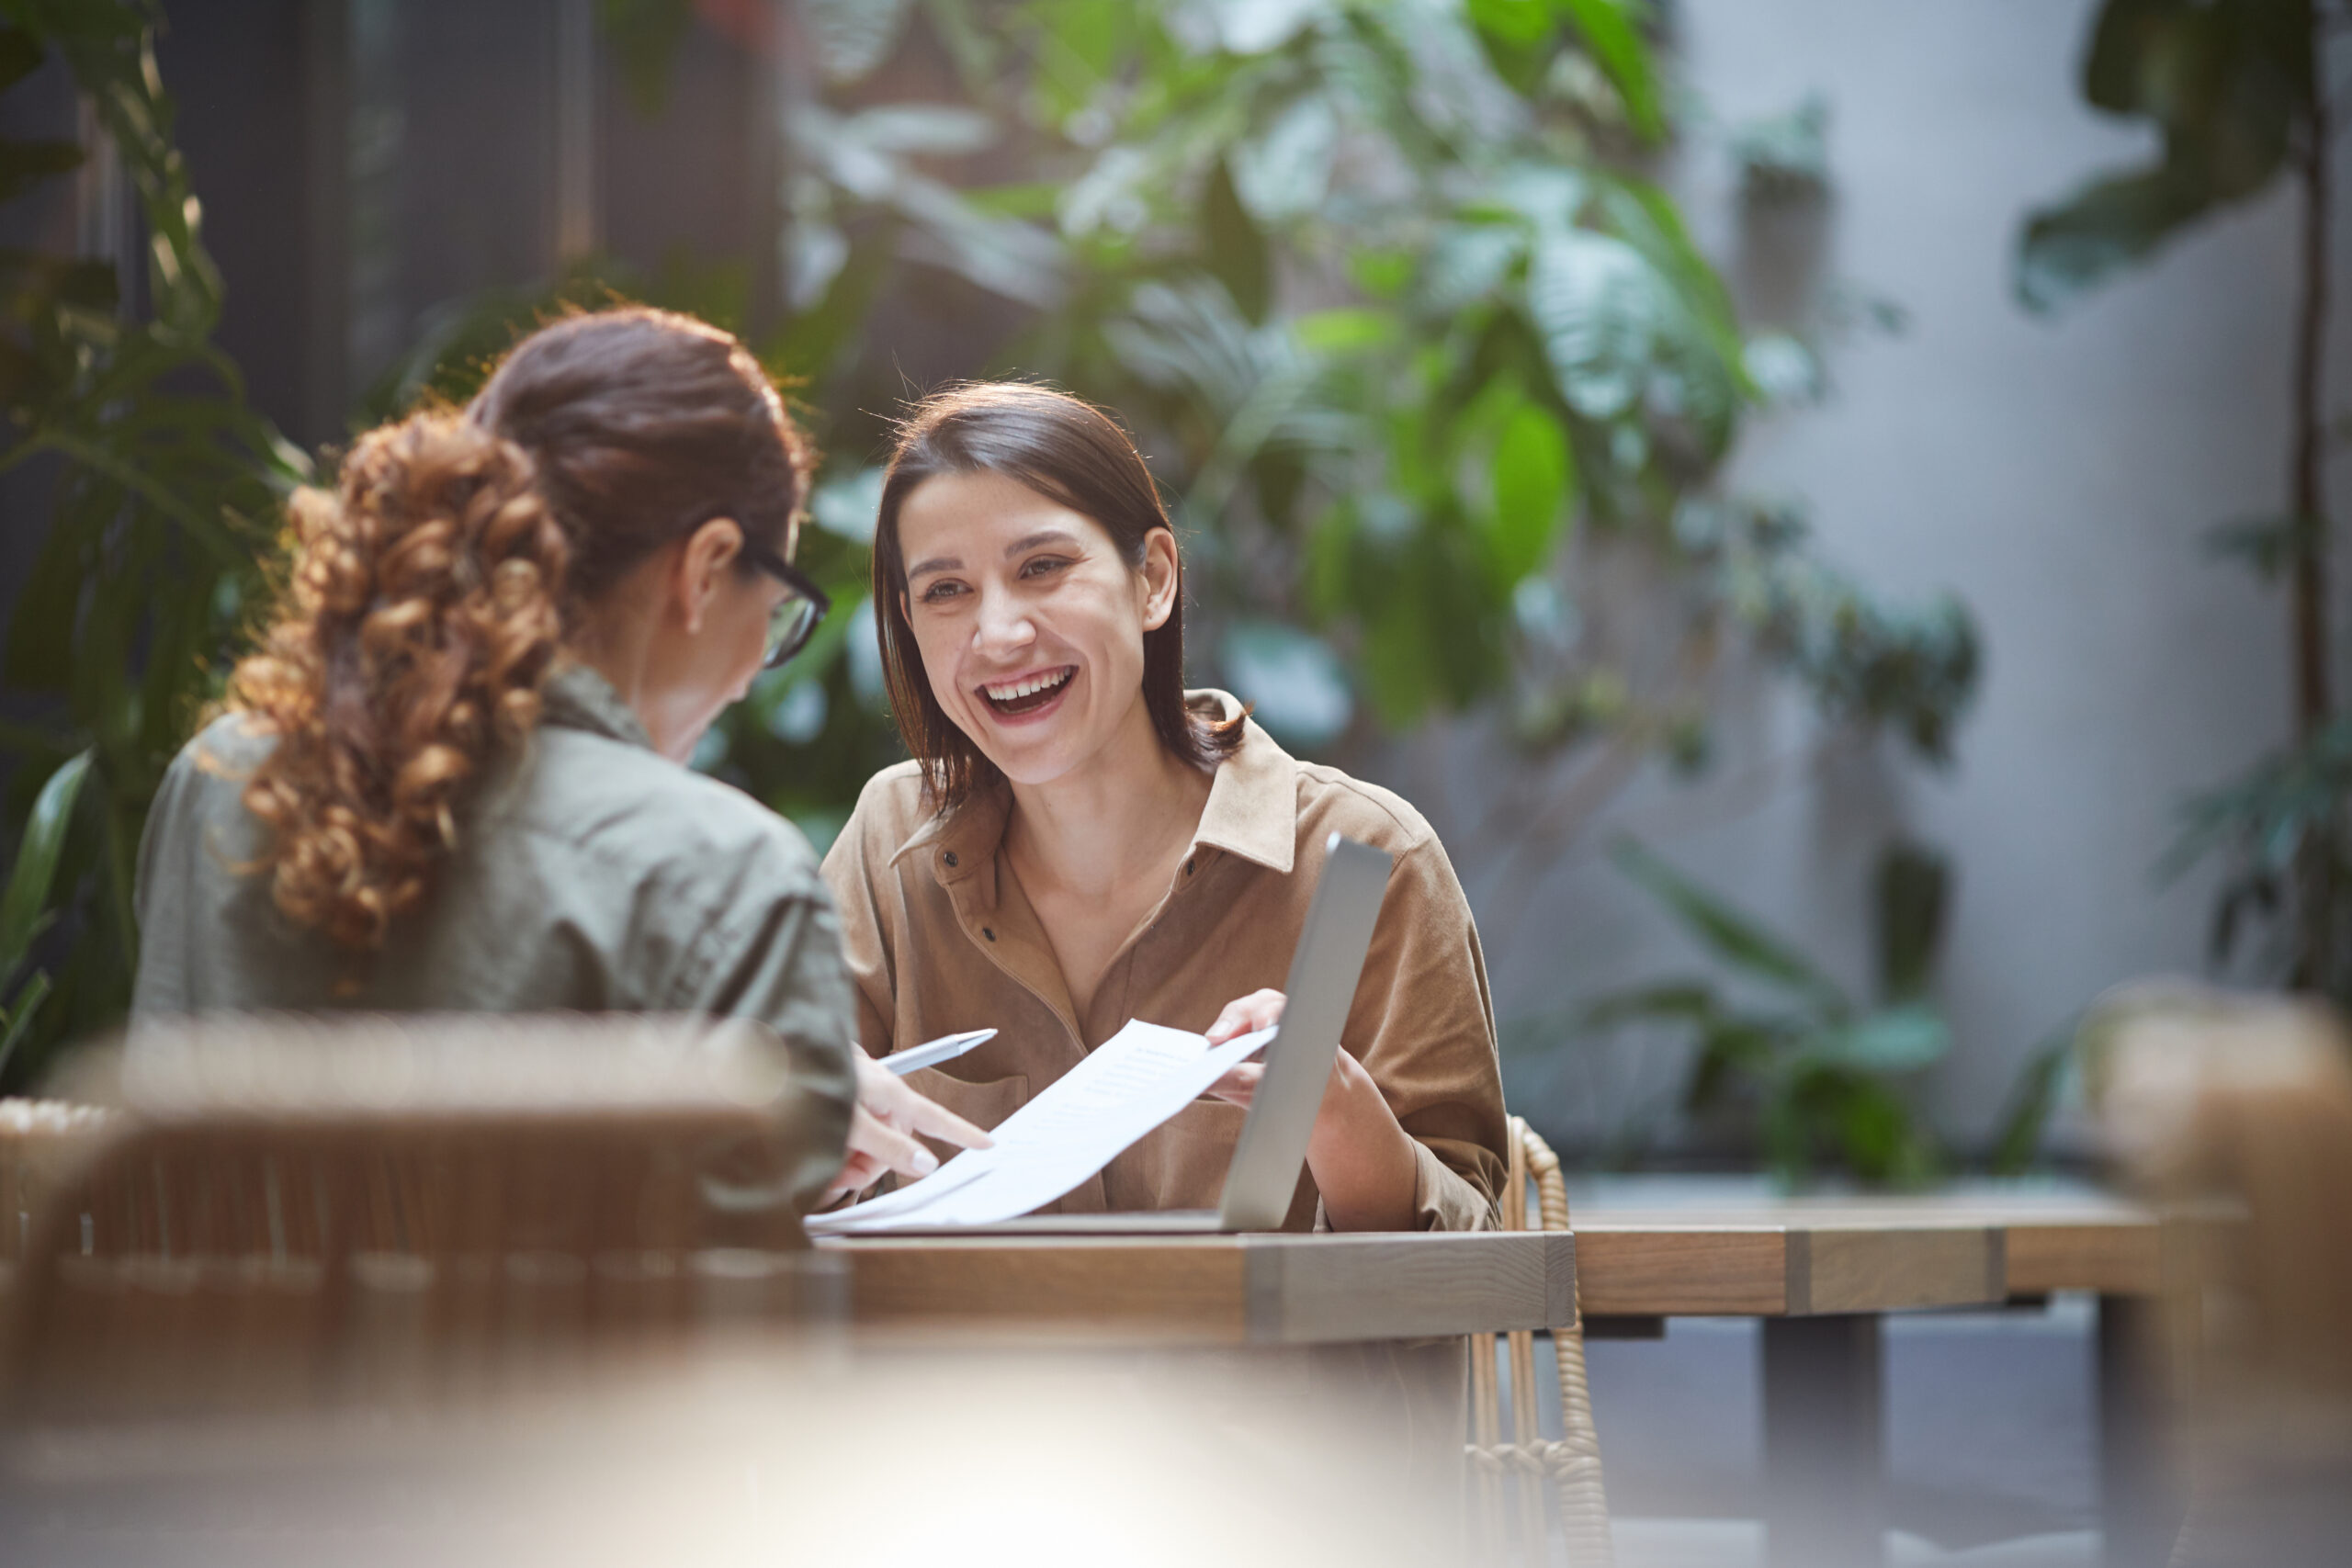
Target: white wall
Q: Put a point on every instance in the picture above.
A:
(2056, 474)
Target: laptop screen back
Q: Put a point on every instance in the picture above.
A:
(1322, 987)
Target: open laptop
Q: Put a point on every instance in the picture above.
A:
(1263, 1176)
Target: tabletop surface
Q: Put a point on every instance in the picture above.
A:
(1269, 1289)
(1645, 1248)
(1677, 1245)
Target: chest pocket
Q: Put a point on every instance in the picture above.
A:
(983, 1104)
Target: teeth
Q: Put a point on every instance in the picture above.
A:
(1024, 688)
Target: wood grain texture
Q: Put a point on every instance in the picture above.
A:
(1164, 1287)
(1643, 1265)
(1642, 1269)
(1283, 1288)
(1850, 1268)
(2113, 1257)
(1765, 1256)
(1389, 1287)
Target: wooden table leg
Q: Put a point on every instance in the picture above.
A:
(1823, 1455)
(2140, 1507)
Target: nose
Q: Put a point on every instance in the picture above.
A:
(1003, 627)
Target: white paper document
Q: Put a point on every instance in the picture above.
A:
(1126, 1086)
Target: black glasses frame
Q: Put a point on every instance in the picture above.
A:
(792, 578)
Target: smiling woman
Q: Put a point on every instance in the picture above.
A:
(1080, 840)
(1049, 494)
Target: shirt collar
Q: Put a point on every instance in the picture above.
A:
(576, 697)
(1253, 801)
(1252, 809)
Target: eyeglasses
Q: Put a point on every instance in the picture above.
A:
(794, 619)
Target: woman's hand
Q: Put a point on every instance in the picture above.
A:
(882, 1129)
(1361, 1157)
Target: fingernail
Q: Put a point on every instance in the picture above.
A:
(925, 1162)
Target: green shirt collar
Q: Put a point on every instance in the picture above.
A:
(576, 697)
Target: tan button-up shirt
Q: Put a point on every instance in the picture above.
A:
(940, 938)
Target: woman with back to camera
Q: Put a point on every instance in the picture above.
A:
(450, 778)
(1079, 841)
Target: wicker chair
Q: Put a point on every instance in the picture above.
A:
(280, 1210)
(1506, 1474)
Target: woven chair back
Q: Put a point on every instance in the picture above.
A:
(266, 1212)
(1509, 1479)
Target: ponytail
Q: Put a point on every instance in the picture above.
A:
(415, 632)
(431, 591)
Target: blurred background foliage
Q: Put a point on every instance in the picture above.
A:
(2235, 92)
(162, 487)
(1826, 1078)
(1422, 350)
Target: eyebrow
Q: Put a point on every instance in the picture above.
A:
(1028, 542)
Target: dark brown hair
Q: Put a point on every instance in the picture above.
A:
(430, 592)
(1071, 452)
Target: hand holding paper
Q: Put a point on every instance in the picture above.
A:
(883, 1127)
(1126, 1086)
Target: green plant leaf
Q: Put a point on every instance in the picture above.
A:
(1685, 1001)
(1735, 938)
(853, 36)
(1893, 1040)
(1912, 893)
(24, 902)
(1600, 309)
(20, 54)
(16, 1018)
(645, 36)
(1236, 249)
(1617, 48)
(2108, 225)
(2270, 547)
(2032, 1097)
(23, 165)
(1533, 480)
(2226, 83)
(1346, 330)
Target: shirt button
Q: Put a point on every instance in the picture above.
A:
(1188, 868)
(988, 931)
(950, 857)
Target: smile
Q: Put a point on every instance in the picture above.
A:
(1028, 693)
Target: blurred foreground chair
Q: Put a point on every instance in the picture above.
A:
(1506, 1476)
(38, 1138)
(281, 1210)
(2236, 1111)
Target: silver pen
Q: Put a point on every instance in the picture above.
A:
(946, 1048)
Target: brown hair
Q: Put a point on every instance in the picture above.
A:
(430, 592)
(1075, 454)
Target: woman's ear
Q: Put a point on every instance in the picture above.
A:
(1163, 578)
(708, 555)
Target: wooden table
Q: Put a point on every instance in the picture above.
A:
(1214, 1290)
(1320, 1316)
(1821, 1273)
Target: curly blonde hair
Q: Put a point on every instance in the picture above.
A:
(430, 592)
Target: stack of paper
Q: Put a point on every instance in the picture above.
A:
(1126, 1086)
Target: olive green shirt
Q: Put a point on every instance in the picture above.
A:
(591, 874)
